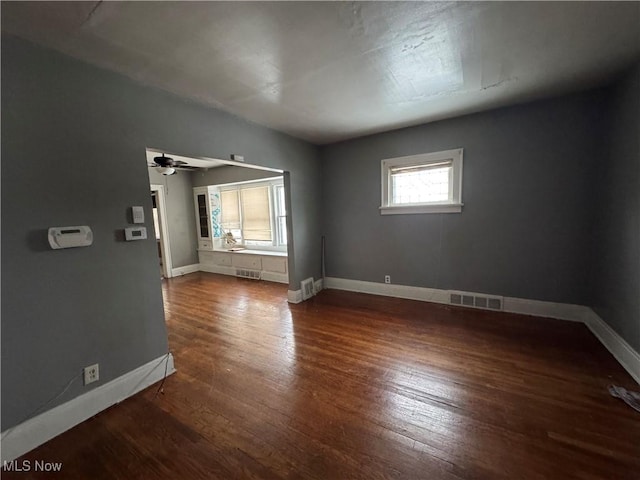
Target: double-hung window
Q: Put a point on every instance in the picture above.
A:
(426, 183)
(254, 213)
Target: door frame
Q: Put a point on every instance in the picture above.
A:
(165, 245)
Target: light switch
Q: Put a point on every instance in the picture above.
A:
(137, 213)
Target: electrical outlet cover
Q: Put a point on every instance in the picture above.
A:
(91, 374)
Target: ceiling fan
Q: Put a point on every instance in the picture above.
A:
(167, 165)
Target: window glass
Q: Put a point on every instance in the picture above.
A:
(421, 184)
(256, 216)
(424, 183)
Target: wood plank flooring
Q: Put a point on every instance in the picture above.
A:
(353, 386)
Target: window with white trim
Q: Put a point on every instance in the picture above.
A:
(280, 214)
(255, 214)
(425, 183)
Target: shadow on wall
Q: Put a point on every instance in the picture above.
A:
(37, 240)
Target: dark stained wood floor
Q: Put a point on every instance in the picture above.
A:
(349, 386)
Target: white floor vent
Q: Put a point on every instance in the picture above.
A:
(245, 273)
(475, 300)
(308, 288)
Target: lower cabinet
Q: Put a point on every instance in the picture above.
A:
(244, 260)
(271, 267)
(274, 264)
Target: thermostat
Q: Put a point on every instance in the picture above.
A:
(67, 237)
(135, 233)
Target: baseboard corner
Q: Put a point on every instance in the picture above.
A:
(24, 437)
(178, 271)
(294, 296)
(617, 346)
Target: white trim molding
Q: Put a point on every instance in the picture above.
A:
(619, 348)
(22, 438)
(389, 290)
(176, 272)
(165, 244)
(539, 308)
(423, 162)
(523, 306)
(294, 296)
(401, 210)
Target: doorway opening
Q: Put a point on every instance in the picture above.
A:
(215, 222)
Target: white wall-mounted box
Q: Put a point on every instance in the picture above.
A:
(68, 237)
(135, 233)
(137, 214)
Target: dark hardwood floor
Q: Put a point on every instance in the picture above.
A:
(348, 386)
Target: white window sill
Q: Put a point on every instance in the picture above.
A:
(408, 209)
(247, 251)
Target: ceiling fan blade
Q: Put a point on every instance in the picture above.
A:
(163, 160)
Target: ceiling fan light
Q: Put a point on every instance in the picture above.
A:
(167, 170)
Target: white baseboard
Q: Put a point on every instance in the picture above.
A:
(538, 308)
(388, 290)
(523, 306)
(619, 348)
(176, 272)
(294, 296)
(18, 440)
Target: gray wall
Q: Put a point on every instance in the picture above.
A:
(617, 249)
(73, 152)
(525, 227)
(181, 221)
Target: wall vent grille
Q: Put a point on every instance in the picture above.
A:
(245, 273)
(475, 300)
(308, 288)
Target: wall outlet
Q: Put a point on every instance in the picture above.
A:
(91, 374)
(387, 279)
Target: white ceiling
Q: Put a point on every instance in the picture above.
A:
(328, 71)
